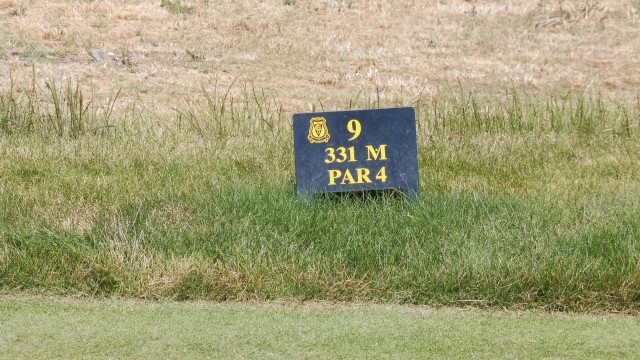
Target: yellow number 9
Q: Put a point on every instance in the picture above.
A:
(354, 127)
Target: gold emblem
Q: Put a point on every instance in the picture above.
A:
(318, 131)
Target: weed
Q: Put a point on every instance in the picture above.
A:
(19, 10)
(564, 15)
(176, 7)
(195, 56)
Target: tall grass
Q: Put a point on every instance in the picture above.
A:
(524, 203)
(63, 111)
(580, 114)
(221, 114)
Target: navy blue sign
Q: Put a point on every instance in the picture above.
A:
(357, 150)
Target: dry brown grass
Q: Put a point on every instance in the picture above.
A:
(324, 52)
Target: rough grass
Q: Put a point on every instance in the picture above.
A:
(524, 204)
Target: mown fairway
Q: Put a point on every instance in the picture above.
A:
(46, 328)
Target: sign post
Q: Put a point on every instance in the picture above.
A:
(359, 150)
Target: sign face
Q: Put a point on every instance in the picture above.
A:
(357, 150)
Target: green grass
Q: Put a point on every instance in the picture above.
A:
(56, 328)
(524, 204)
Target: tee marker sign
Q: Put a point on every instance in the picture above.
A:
(360, 150)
